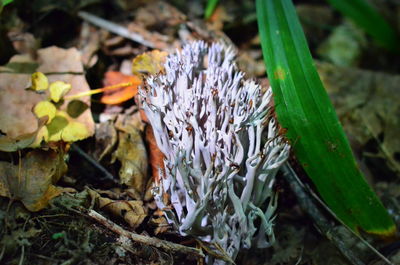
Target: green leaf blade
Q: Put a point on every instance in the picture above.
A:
(210, 7)
(304, 109)
(365, 16)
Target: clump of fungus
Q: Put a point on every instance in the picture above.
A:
(221, 145)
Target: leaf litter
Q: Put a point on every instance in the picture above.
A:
(125, 146)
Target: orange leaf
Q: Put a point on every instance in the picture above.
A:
(156, 157)
(119, 94)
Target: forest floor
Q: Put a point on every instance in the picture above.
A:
(81, 202)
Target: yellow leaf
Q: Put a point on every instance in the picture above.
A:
(58, 89)
(39, 81)
(149, 63)
(42, 135)
(74, 131)
(45, 108)
(56, 127)
(63, 127)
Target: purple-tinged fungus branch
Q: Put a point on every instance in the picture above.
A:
(221, 145)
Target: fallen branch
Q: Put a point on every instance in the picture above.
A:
(150, 241)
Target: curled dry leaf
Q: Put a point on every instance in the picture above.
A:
(32, 181)
(132, 154)
(132, 211)
(119, 94)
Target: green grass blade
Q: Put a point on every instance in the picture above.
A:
(3, 3)
(365, 16)
(211, 5)
(304, 109)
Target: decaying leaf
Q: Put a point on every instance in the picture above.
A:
(20, 67)
(149, 63)
(367, 105)
(130, 119)
(76, 107)
(106, 138)
(132, 154)
(32, 181)
(123, 93)
(16, 103)
(18, 238)
(10, 144)
(132, 211)
(159, 222)
(344, 46)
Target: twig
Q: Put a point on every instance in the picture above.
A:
(94, 163)
(114, 28)
(151, 241)
(322, 223)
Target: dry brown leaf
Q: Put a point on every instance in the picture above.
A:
(128, 121)
(8, 144)
(149, 63)
(367, 104)
(89, 44)
(219, 17)
(156, 157)
(160, 223)
(32, 181)
(157, 13)
(132, 154)
(106, 138)
(148, 194)
(23, 42)
(16, 103)
(132, 211)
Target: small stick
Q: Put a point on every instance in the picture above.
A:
(114, 28)
(151, 241)
(94, 163)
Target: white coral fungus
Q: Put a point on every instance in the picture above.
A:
(221, 145)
